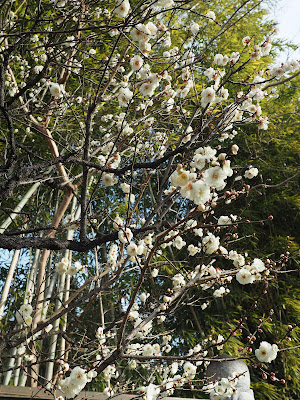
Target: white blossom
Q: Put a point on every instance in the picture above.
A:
(189, 370)
(78, 377)
(132, 249)
(244, 277)
(207, 96)
(125, 235)
(122, 9)
(136, 62)
(154, 272)
(211, 15)
(55, 89)
(215, 177)
(251, 173)
(194, 28)
(266, 352)
(246, 40)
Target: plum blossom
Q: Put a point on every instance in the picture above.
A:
(178, 242)
(219, 59)
(263, 123)
(246, 40)
(73, 269)
(201, 192)
(148, 350)
(140, 33)
(100, 335)
(78, 376)
(223, 94)
(118, 222)
(194, 28)
(244, 277)
(125, 235)
(23, 315)
(178, 281)
(125, 187)
(251, 173)
(122, 9)
(189, 370)
(193, 250)
(215, 177)
(234, 57)
(108, 392)
(207, 96)
(136, 63)
(210, 243)
(234, 149)
(162, 4)
(154, 272)
(108, 179)
(132, 249)
(55, 89)
(152, 28)
(211, 74)
(72, 385)
(211, 15)
(124, 97)
(144, 296)
(219, 292)
(29, 357)
(224, 220)
(266, 352)
(222, 389)
(179, 177)
(256, 54)
(152, 391)
(258, 265)
(62, 266)
(277, 71)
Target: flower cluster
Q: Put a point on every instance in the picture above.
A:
(23, 315)
(222, 389)
(202, 190)
(64, 267)
(250, 272)
(77, 380)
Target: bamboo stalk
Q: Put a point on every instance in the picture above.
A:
(17, 371)
(8, 280)
(11, 363)
(52, 347)
(27, 300)
(98, 283)
(46, 252)
(48, 295)
(19, 207)
(62, 288)
(40, 287)
(32, 274)
(62, 351)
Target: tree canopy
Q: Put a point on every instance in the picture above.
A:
(149, 214)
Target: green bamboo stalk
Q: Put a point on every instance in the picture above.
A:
(8, 280)
(62, 288)
(21, 204)
(11, 363)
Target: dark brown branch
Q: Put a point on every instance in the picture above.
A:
(10, 242)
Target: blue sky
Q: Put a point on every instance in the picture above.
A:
(287, 13)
